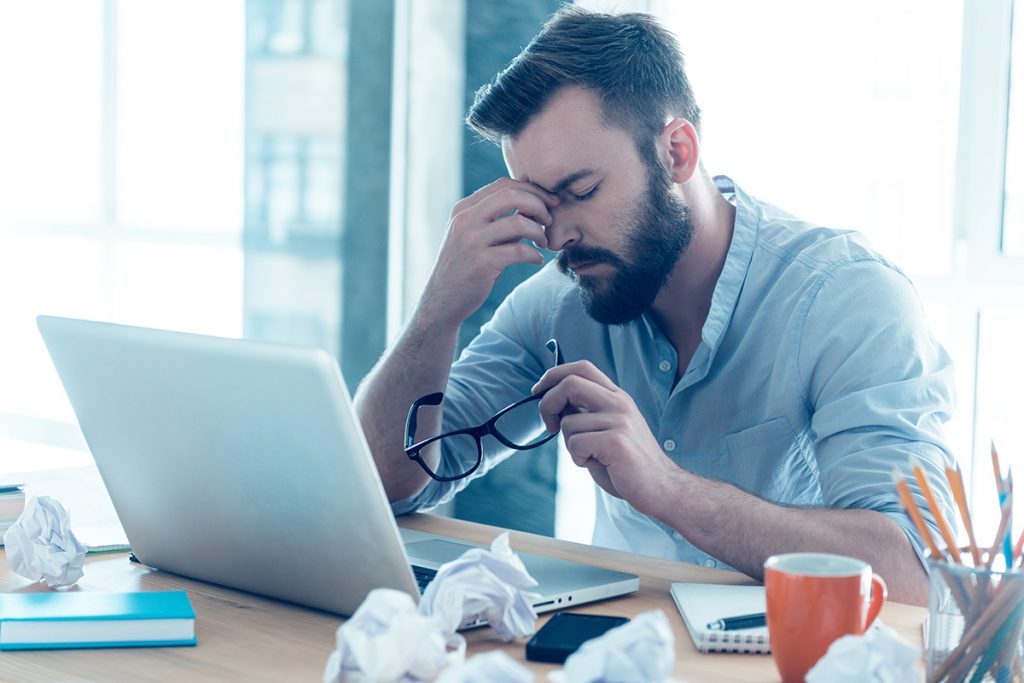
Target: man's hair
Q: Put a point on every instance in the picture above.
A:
(633, 65)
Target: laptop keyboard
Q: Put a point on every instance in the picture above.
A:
(423, 576)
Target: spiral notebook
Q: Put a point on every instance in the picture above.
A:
(702, 603)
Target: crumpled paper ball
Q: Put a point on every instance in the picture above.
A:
(387, 639)
(41, 546)
(878, 656)
(492, 584)
(491, 667)
(641, 651)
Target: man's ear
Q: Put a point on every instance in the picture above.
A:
(679, 149)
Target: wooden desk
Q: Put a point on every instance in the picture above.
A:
(244, 637)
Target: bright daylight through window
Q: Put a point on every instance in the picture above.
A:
(121, 177)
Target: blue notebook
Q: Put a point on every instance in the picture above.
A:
(34, 621)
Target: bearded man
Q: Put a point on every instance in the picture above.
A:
(737, 382)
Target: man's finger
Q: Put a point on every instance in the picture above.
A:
(502, 184)
(573, 394)
(584, 449)
(505, 255)
(581, 450)
(582, 423)
(512, 201)
(583, 368)
(516, 227)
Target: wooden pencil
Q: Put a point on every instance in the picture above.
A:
(1000, 533)
(991, 603)
(933, 506)
(978, 634)
(915, 514)
(956, 483)
(1007, 539)
(996, 470)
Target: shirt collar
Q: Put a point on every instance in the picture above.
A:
(737, 261)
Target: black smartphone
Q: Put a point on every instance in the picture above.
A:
(565, 632)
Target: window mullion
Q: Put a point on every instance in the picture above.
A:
(106, 229)
(984, 94)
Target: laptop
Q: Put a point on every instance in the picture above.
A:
(242, 463)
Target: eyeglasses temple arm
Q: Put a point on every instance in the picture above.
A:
(410, 422)
(554, 348)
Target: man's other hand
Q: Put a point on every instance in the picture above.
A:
(605, 432)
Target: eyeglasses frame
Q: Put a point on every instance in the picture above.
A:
(412, 450)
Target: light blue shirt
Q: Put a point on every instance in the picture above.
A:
(816, 374)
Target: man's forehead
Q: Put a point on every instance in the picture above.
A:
(561, 139)
(554, 169)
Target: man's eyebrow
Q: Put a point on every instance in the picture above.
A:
(567, 181)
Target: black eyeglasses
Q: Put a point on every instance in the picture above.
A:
(517, 426)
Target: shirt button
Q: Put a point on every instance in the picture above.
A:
(669, 445)
(664, 366)
(709, 563)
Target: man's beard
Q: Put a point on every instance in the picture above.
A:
(658, 230)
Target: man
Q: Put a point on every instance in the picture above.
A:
(737, 382)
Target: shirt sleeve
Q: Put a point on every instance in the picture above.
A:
(498, 367)
(879, 388)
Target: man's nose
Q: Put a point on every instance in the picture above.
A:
(563, 231)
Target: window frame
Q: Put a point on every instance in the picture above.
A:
(982, 144)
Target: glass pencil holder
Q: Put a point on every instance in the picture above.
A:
(975, 624)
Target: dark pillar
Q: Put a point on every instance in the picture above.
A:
(367, 141)
(520, 493)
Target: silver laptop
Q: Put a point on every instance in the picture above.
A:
(242, 463)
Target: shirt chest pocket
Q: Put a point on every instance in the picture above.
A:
(767, 461)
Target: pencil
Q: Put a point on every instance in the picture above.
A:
(915, 514)
(977, 633)
(956, 483)
(933, 506)
(1008, 539)
(1007, 504)
(997, 470)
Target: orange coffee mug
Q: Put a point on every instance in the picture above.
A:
(813, 600)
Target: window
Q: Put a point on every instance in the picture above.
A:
(185, 165)
(856, 116)
(990, 287)
(833, 113)
(294, 158)
(1000, 369)
(121, 168)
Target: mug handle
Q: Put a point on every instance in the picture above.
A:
(879, 592)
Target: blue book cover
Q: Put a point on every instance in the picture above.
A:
(90, 619)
